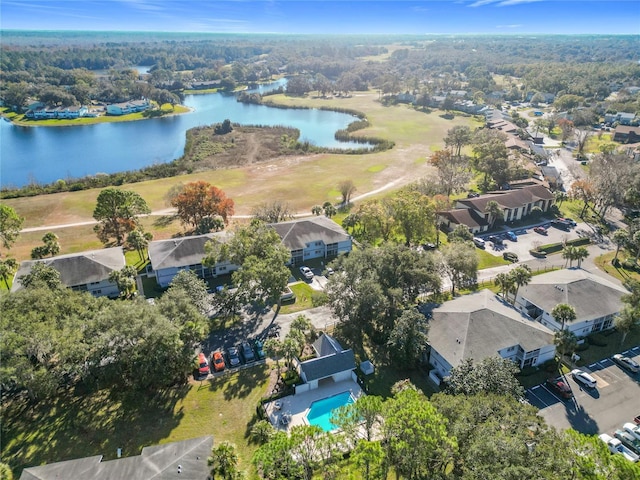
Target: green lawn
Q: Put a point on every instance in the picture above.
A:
(75, 426)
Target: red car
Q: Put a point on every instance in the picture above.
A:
(540, 230)
(203, 365)
(218, 361)
(560, 387)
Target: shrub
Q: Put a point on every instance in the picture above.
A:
(597, 339)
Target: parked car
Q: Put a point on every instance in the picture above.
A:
(259, 347)
(626, 363)
(510, 256)
(512, 236)
(561, 224)
(218, 361)
(584, 378)
(232, 355)
(615, 446)
(306, 272)
(540, 230)
(247, 352)
(203, 365)
(287, 295)
(633, 429)
(628, 440)
(560, 387)
(495, 239)
(478, 242)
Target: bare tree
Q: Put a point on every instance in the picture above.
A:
(273, 211)
(346, 188)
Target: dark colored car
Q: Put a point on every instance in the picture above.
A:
(495, 239)
(234, 358)
(560, 387)
(247, 352)
(510, 256)
(561, 224)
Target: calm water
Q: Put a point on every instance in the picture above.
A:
(46, 154)
(321, 410)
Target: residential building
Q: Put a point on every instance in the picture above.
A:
(332, 363)
(515, 205)
(131, 106)
(186, 460)
(168, 257)
(482, 325)
(625, 134)
(316, 237)
(596, 300)
(313, 237)
(623, 118)
(84, 271)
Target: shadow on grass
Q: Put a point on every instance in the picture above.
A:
(82, 425)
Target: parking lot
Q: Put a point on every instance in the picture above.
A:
(616, 399)
(527, 239)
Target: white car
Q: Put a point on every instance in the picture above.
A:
(306, 272)
(584, 378)
(626, 363)
(616, 446)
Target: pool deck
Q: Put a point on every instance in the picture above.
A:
(295, 407)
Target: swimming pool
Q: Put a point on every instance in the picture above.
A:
(320, 411)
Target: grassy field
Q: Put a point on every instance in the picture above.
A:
(74, 426)
(415, 134)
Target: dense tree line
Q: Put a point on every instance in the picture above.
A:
(466, 436)
(55, 337)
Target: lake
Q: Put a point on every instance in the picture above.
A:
(46, 154)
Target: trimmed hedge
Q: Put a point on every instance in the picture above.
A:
(557, 247)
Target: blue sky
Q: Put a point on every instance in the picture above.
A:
(327, 17)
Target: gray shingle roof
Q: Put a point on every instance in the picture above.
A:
(182, 251)
(591, 295)
(479, 325)
(78, 268)
(331, 359)
(510, 198)
(296, 234)
(159, 462)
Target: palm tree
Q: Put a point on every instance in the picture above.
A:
(521, 276)
(626, 320)
(563, 313)
(139, 241)
(494, 210)
(580, 254)
(224, 462)
(620, 238)
(569, 254)
(560, 197)
(51, 244)
(565, 341)
(506, 284)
